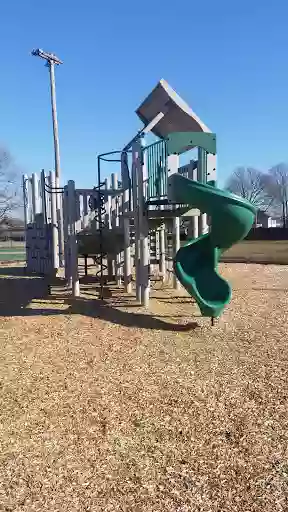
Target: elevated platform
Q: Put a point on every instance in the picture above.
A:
(164, 209)
(111, 242)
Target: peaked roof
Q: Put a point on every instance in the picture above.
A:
(179, 117)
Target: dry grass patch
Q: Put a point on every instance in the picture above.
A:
(258, 251)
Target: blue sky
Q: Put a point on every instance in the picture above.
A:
(227, 59)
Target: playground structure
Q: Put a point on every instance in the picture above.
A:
(125, 224)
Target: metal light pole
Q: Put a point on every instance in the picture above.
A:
(51, 61)
(55, 122)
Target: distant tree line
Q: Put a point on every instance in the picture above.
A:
(10, 190)
(268, 191)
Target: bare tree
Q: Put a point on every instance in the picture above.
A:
(278, 186)
(9, 184)
(252, 185)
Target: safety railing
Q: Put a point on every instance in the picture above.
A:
(155, 159)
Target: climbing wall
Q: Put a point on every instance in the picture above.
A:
(39, 247)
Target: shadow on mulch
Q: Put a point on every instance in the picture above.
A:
(176, 299)
(18, 290)
(105, 311)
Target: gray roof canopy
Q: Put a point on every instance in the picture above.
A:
(179, 117)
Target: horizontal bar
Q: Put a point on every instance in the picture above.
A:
(103, 192)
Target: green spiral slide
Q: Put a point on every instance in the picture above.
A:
(196, 262)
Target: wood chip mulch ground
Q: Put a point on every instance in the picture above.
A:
(106, 407)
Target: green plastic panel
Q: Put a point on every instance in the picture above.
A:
(178, 142)
(156, 160)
